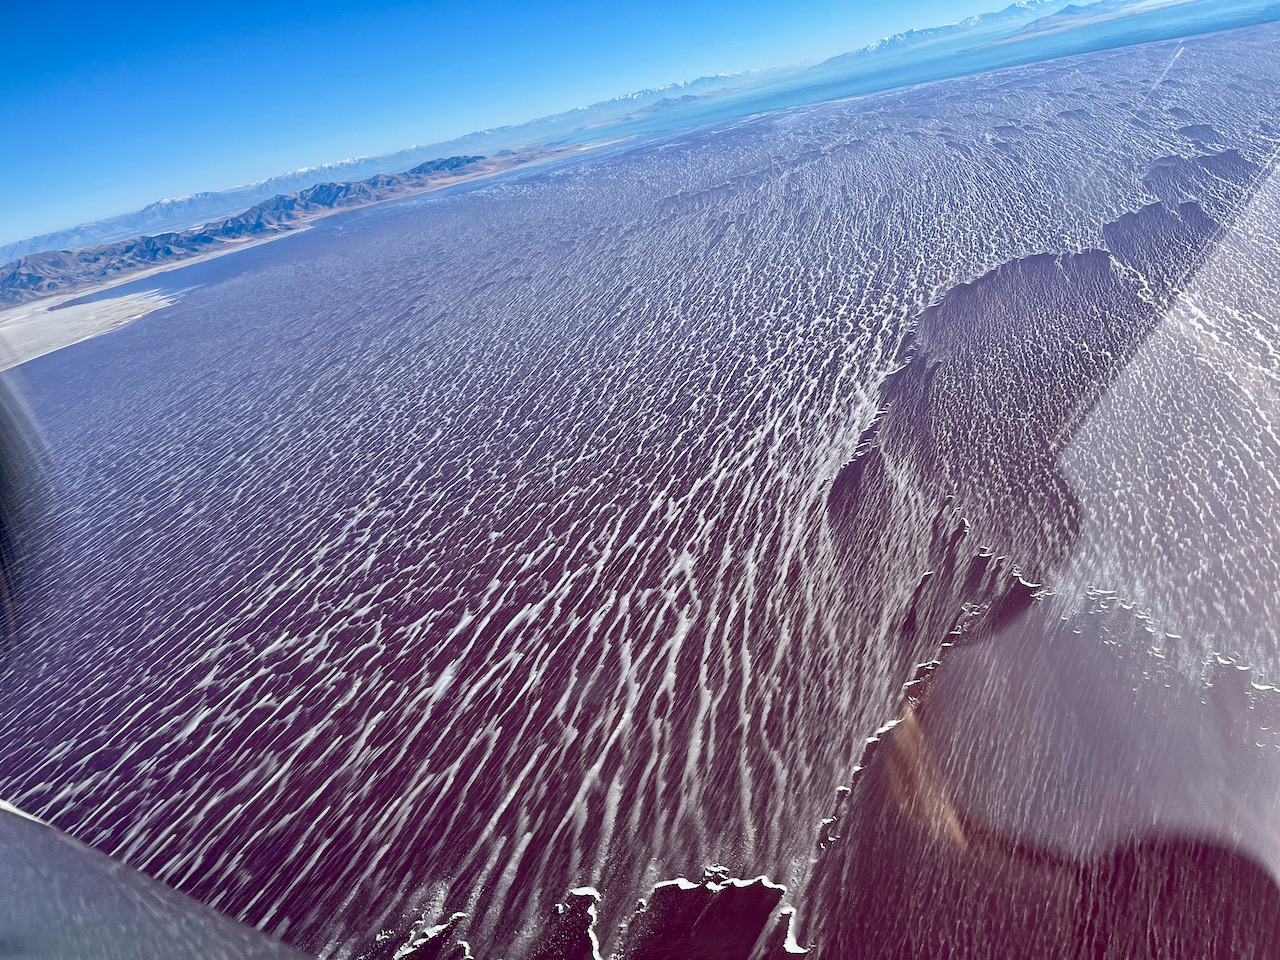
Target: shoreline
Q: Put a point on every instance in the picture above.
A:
(47, 323)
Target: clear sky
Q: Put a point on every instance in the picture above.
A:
(109, 106)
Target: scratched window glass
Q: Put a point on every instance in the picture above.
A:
(831, 509)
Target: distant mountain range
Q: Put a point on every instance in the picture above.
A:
(1076, 15)
(914, 56)
(48, 272)
(181, 213)
(1021, 11)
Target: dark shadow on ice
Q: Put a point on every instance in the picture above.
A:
(1051, 787)
(1039, 842)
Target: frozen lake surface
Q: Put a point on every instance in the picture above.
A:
(531, 535)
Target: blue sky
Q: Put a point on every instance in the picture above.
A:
(107, 107)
